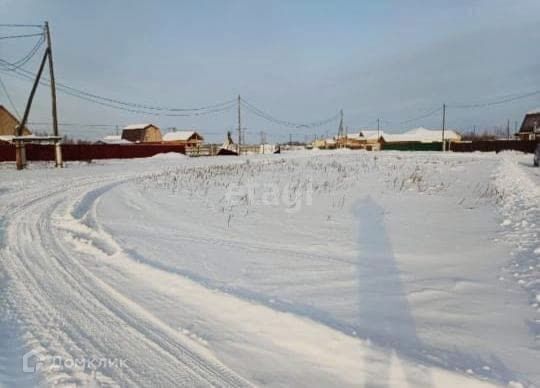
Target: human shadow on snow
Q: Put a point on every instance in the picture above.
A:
(385, 317)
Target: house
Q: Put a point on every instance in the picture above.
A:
(187, 138)
(8, 125)
(142, 133)
(418, 139)
(355, 140)
(113, 139)
(421, 135)
(329, 143)
(530, 127)
(371, 136)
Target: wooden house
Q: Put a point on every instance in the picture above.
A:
(187, 138)
(142, 133)
(530, 127)
(8, 125)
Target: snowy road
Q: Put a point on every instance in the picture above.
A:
(383, 270)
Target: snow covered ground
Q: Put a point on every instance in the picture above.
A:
(302, 269)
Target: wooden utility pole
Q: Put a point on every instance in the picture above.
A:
(53, 83)
(20, 149)
(378, 128)
(508, 129)
(340, 129)
(20, 127)
(443, 126)
(239, 125)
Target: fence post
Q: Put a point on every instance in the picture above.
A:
(58, 154)
(20, 155)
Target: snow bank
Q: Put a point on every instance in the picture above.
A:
(169, 156)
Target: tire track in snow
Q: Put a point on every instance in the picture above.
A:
(88, 318)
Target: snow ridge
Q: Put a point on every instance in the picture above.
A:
(520, 199)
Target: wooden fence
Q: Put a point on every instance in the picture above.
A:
(527, 146)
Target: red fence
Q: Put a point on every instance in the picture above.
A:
(495, 146)
(86, 152)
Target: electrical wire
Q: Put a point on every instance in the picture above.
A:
(262, 114)
(24, 60)
(9, 99)
(108, 100)
(21, 25)
(211, 109)
(424, 116)
(20, 36)
(503, 100)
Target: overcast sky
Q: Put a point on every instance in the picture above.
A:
(298, 60)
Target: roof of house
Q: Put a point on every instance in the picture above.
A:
(137, 126)
(531, 121)
(180, 135)
(114, 139)
(421, 135)
(355, 136)
(371, 134)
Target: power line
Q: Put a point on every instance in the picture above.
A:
(9, 99)
(131, 104)
(429, 114)
(262, 114)
(73, 91)
(222, 107)
(11, 66)
(503, 100)
(20, 36)
(21, 25)
(73, 124)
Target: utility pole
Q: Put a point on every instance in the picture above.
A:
(239, 125)
(244, 130)
(290, 139)
(20, 127)
(378, 128)
(53, 83)
(340, 128)
(508, 129)
(20, 149)
(443, 126)
(263, 141)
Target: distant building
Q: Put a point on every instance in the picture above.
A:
(8, 125)
(530, 127)
(187, 138)
(142, 133)
(419, 139)
(421, 135)
(113, 139)
(371, 136)
(329, 143)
